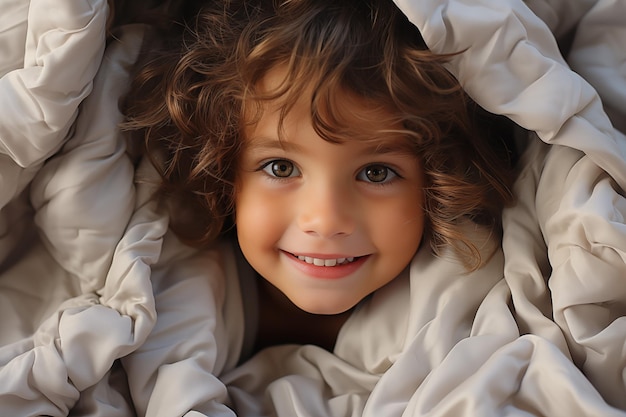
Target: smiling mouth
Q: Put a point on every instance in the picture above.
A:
(326, 262)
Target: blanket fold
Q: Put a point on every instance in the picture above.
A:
(40, 101)
(105, 313)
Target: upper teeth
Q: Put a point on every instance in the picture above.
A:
(325, 262)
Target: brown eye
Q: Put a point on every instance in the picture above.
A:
(375, 173)
(280, 168)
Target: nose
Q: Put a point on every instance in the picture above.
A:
(327, 210)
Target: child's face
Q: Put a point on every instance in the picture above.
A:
(327, 224)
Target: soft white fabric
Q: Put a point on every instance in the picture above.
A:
(86, 260)
(577, 203)
(62, 327)
(40, 97)
(598, 54)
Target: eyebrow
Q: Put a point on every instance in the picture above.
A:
(266, 143)
(382, 147)
(394, 146)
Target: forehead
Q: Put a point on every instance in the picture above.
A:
(337, 113)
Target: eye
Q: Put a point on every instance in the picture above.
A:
(280, 168)
(376, 174)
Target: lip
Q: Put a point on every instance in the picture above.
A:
(325, 272)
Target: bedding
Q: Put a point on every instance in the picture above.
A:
(86, 257)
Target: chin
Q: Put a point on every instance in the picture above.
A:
(325, 309)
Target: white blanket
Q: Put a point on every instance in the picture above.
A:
(86, 259)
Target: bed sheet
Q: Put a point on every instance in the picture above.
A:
(84, 252)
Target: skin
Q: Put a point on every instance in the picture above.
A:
(304, 196)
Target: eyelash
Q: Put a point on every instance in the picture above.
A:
(387, 181)
(268, 164)
(390, 171)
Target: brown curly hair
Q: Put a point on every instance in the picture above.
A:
(195, 81)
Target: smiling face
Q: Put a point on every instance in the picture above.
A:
(327, 223)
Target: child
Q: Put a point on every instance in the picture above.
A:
(325, 143)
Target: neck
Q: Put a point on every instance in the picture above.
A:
(282, 322)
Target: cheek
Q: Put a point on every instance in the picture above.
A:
(258, 217)
(401, 229)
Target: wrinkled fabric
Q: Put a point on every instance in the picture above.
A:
(40, 98)
(73, 223)
(578, 205)
(105, 313)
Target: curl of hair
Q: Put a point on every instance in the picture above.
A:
(192, 87)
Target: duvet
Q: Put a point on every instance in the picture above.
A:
(86, 259)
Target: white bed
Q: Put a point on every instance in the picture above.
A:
(541, 330)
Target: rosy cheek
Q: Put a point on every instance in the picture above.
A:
(408, 225)
(258, 214)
